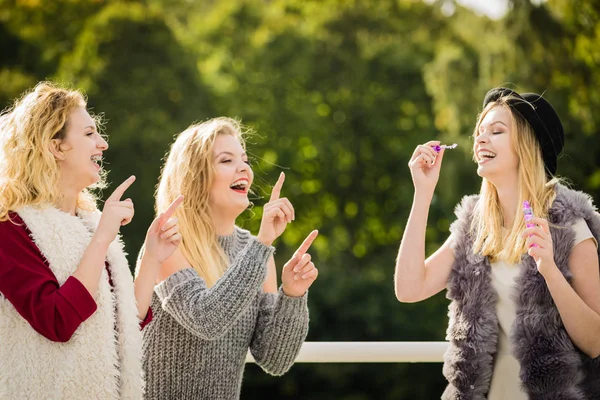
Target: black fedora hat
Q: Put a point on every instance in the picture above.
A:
(542, 118)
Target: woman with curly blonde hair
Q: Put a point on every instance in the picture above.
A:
(69, 310)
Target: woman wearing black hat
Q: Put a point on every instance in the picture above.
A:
(524, 318)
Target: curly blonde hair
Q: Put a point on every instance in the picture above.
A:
(29, 172)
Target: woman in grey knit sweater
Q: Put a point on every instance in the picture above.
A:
(524, 317)
(217, 296)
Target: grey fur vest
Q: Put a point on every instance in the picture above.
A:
(551, 366)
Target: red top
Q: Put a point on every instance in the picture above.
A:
(27, 281)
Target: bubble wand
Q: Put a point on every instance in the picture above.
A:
(439, 147)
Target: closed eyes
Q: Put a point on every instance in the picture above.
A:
(229, 160)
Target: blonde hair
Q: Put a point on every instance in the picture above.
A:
(29, 172)
(189, 170)
(533, 186)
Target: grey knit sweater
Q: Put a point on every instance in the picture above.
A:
(196, 345)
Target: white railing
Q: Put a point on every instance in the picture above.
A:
(370, 352)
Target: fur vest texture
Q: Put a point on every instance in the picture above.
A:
(551, 366)
(102, 360)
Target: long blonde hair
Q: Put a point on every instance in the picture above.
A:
(29, 172)
(189, 170)
(533, 186)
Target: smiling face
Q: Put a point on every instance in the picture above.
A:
(493, 148)
(80, 152)
(232, 178)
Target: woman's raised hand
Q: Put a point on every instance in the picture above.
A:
(425, 165)
(163, 235)
(116, 212)
(277, 213)
(300, 272)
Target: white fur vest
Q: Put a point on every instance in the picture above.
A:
(102, 360)
(551, 367)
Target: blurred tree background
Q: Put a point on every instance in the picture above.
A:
(338, 94)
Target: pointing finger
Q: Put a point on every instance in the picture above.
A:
(277, 188)
(171, 210)
(306, 244)
(118, 192)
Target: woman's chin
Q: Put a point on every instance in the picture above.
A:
(480, 171)
(484, 171)
(234, 208)
(244, 205)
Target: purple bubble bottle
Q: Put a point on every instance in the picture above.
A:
(528, 213)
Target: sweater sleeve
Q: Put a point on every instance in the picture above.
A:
(209, 312)
(27, 282)
(281, 329)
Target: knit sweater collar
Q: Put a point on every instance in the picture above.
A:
(232, 244)
(227, 242)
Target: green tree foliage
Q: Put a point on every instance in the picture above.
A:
(338, 95)
(34, 35)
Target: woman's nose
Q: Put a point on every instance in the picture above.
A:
(482, 138)
(102, 144)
